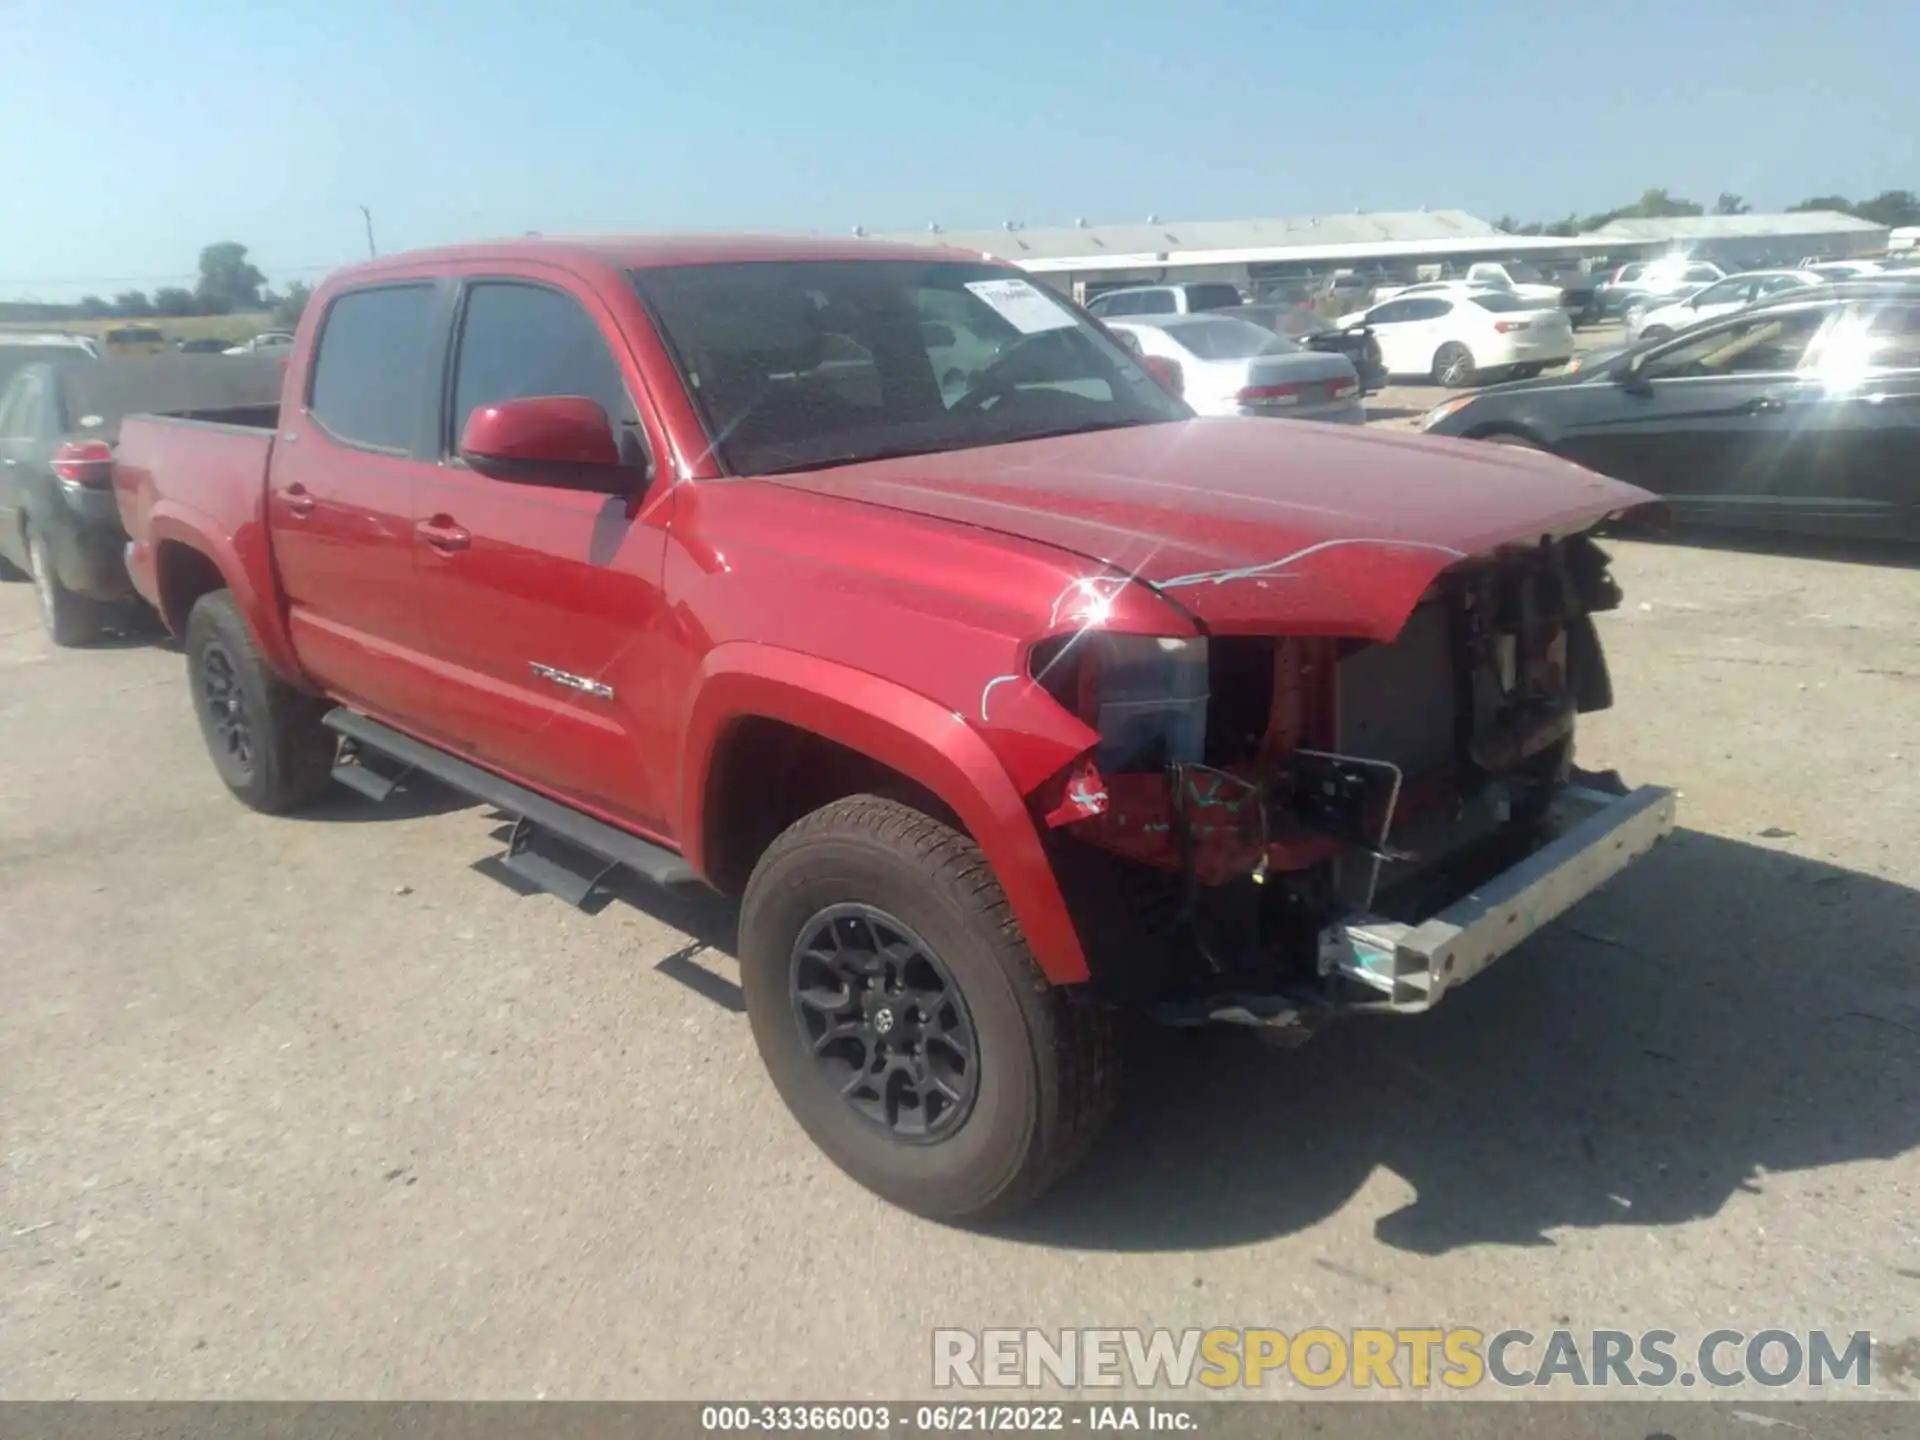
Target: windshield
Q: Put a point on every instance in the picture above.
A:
(1224, 338)
(796, 364)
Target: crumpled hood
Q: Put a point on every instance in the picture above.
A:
(1252, 525)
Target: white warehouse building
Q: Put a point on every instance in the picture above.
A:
(1268, 256)
(1083, 259)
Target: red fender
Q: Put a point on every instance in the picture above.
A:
(239, 559)
(924, 741)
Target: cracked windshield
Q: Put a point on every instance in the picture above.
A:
(867, 720)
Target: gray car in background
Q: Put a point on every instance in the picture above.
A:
(1231, 366)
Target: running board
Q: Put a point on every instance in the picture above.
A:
(549, 867)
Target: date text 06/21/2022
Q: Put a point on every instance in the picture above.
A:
(947, 1419)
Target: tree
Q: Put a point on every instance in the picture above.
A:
(172, 300)
(287, 313)
(133, 304)
(93, 307)
(1657, 205)
(227, 281)
(1824, 202)
(1890, 208)
(1731, 204)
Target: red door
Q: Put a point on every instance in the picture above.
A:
(341, 499)
(545, 608)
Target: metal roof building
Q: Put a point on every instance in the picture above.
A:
(1244, 251)
(1746, 240)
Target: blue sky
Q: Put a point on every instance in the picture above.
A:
(136, 132)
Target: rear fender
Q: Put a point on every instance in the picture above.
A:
(929, 744)
(245, 564)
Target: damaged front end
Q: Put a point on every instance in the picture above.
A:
(1274, 830)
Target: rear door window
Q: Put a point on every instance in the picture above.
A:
(1157, 302)
(1212, 297)
(1773, 343)
(370, 370)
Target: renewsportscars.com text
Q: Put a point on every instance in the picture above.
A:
(1403, 1358)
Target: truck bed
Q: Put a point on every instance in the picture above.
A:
(212, 470)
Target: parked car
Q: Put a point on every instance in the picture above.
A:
(1516, 277)
(20, 348)
(1664, 281)
(1800, 412)
(1710, 302)
(1185, 299)
(267, 342)
(1460, 338)
(59, 424)
(1313, 330)
(202, 345)
(1584, 297)
(1229, 366)
(957, 696)
(1842, 269)
(124, 340)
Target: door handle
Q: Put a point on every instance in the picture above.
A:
(441, 533)
(1764, 404)
(299, 503)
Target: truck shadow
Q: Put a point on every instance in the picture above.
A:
(1722, 1012)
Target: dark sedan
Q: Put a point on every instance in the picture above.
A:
(1306, 326)
(1801, 413)
(59, 524)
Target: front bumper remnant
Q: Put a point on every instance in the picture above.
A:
(1411, 966)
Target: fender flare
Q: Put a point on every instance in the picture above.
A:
(922, 739)
(238, 559)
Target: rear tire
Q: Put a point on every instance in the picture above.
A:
(69, 619)
(264, 736)
(1453, 366)
(869, 929)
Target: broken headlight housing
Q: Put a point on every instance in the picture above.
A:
(1145, 694)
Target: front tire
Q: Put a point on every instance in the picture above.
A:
(265, 737)
(69, 619)
(903, 1020)
(1453, 366)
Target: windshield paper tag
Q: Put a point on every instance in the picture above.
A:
(1021, 305)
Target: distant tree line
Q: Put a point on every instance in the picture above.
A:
(1890, 208)
(229, 284)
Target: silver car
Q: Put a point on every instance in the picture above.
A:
(1230, 366)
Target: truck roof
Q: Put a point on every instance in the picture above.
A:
(645, 252)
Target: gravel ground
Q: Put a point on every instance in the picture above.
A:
(312, 1107)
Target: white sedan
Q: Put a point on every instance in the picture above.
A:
(1465, 337)
(1229, 366)
(1723, 297)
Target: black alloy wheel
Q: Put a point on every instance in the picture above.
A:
(223, 700)
(881, 1015)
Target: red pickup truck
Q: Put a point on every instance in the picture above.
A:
(883, 589)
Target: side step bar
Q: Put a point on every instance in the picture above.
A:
(532, 853)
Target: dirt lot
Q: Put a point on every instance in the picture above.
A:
(311, 1107)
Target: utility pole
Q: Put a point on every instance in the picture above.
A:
(368, 215)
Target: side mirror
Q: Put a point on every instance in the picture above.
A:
(1628, 376)
(560, 440)
(1166, 371)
